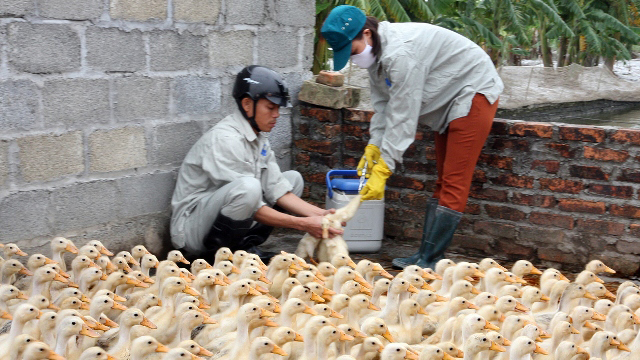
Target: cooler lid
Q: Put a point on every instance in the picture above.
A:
(345, 184)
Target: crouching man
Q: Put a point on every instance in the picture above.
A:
(230, 190)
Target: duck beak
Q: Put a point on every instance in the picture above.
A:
(127, 268)
(190, 291)
(540, 350)
(385, 274)
(104, 277)
(478, 273)
(204, 352)
(609, 270)
(496, 347)
(209, 320)
(588, 295)
(84, 306)
(261, 289)
(88, 332)
(360, 280)
(264, 280)
(162, 348)
(538, 339)
(574, 330)
(309, 311)
(278, 351)
(104, 251)
(520, 307)
(147, 323)
(352, 264)
(5, 315)
(335, 314)
(110, 323)
(544, 298)
(271, 323)
(422, 311)
(71, 248)
(345, 337)
(328, 292)
(219, 282)
(49, 261)
(359, 334)
(412, 289)
(235, 270)
(562, 277)
(474, 290)
(277, 308)
(589, 325)
(148, 280)
(377, 267)
(266, 313)
(598, 280)
(373, 306)
(60, 278)
(521, 280)
(118, 306)
(598, 317)
(25, 271)
(506, 342)
(609, 295)
(469, 278)
(440, 298)
(381, 349)
(203, 305)
(411, 356)
(387, 335)
(54, 356)
(535, 271)
(315, 297)
(365, 291)
(426, 286)
(447, 357)
(254, 292)
(490, 326)
(298, 338)
(636, 319)
(472, 306)
(623, 347)
(320, 276)
(73, 285)
(22, 296)
(502, 319)
(614, 342)
(582, 351)
(21, 253)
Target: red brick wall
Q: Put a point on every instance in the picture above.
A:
(556, 194)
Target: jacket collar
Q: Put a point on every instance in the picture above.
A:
(242, 125)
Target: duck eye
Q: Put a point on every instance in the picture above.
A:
(149, 342)
(73, 323)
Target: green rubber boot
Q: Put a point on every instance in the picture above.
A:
(445, 222)
(432, 204)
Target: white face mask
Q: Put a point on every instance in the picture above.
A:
(364, 59)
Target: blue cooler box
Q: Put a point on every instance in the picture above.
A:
(365, 230)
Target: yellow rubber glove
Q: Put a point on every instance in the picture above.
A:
(371, 156)
(374, 188)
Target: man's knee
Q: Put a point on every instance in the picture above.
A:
(244, 198)
(296, 180)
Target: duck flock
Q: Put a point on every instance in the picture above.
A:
(133, 306)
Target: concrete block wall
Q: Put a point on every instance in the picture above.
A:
(100, 100)
(556, 194)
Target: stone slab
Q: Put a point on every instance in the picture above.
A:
(49, 157)
(119, 149)
(230, 48)
(138, 10)
(43, 48)
(141, 98)
(115, 50)
(195, 95)
(71, 9)
(172, 51)
(19, 106)
(172, 142)
(24, 215)
(84, 204)
(192, 11)
(245, 12)
(328, 96)
(76, 102)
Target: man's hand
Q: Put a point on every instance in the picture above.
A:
(313, 225)
(333, 211)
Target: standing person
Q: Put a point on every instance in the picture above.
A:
(420, 73)
(230, 190)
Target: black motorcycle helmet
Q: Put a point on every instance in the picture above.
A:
(259, 82)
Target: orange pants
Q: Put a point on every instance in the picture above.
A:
(457, 152)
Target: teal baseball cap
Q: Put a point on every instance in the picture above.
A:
(339, 29)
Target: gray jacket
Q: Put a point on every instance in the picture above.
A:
(426, 73)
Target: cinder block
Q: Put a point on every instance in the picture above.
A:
(172, 51)
(277, 49)
(43, 48)
(196, 10)
(48, 157)
(245, 12)
(146, 194)
(173, 141)
(294, 83)
(75, 102)
(84, 204)
(138, 98)
(196, 95)
(24, 215)
(16, 8)
(4, 162)
(296, 12)
(139, 10)
(18, 105)
(307, 50)
(71, 9)
(230, 48)
(120, 149)
(115, 50)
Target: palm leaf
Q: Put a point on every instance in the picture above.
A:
(360, 4)
(482, 30)
(376, 10)
(552, 15)
(419, 9)
(614, 24)
(591, 36)
(514, 20)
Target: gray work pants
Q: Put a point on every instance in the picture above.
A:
(238, 200)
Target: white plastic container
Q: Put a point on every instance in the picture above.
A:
(364, 232)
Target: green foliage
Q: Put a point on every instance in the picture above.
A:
(582, 30)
